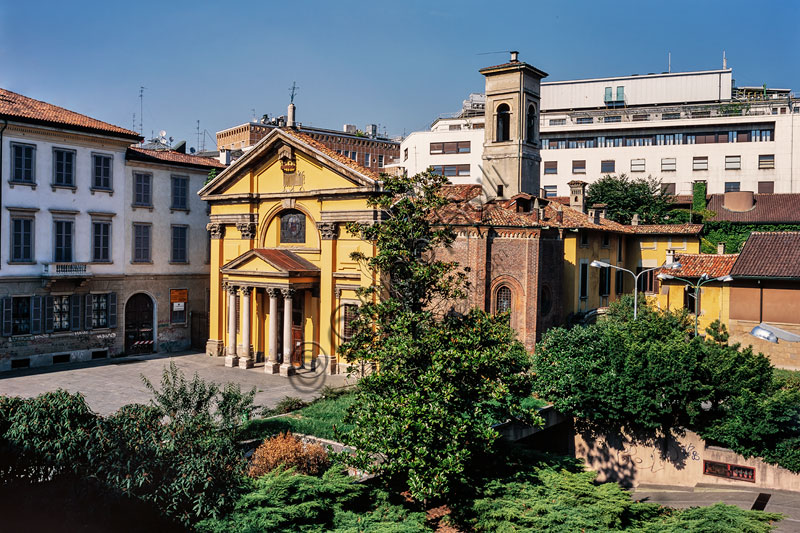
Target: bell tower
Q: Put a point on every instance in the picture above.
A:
(511, 144)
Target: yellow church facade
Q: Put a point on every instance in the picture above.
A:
(283, 284)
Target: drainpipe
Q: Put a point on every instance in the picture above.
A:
(5, 125)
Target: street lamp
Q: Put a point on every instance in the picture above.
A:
(703, 280)
(603, 264)
(771, 334)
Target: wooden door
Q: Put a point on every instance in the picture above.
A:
(139, 325)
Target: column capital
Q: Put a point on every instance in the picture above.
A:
(287, 293)
(272, 292)
(216, 229)
(232, 289)
(328, 230)
(247, 229)
(246, 291)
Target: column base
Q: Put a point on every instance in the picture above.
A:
(245, 362)
(272, 368)
(231, 361)
(287, 370)
(215, 348)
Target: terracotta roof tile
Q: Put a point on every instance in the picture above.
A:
(773, 208)
(22, 108)
(461, 193)
(695, 265)
(667, 229)
(332, 153)
(286, 260)
(169, 156)
(769, 255)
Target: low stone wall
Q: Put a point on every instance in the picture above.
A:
(783, 354)
(674, 462)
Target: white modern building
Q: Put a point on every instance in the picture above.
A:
(680, 127)
(74, 281)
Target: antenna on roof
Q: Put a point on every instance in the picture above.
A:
(293, 90)
(490, 53)
(141, 109)
(198, 135)
(669, 61)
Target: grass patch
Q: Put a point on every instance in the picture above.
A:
(786, 376)
(323, 419)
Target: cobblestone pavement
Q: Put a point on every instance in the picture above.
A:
(784, 502)
(112, 383)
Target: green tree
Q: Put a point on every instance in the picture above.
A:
(424, 416)
(625, 196)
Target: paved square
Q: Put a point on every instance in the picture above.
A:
(110, 384)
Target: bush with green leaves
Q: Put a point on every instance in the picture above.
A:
(441, 381)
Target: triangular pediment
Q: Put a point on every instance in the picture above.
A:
(271, 261)
(350, 173)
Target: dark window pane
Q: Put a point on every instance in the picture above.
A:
(293, 227)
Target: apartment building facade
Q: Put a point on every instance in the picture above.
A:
(679, 127)
(68, 279)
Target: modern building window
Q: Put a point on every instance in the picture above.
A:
(670, 116)
(61, 307)
(451, 170)
(557, 121)
(584, 120)
(180, 252)
(530, 125)
(460, 147)
(640, 118)
(405, 154)
(180, 196)
(21, 240)
(102, 171)
(637, 165)
(621, 93)
(584, 281)
(731, 186)
(668, 164)
(609, 95)
(608, 167)
(668, 188)
(101, 241)
(293, 227)
(503, 132)
(551, 167)
(23, 161)
(766, 161)
(367, 159)
(604, 287)
(700, 163)
(142, 189)
(550, 191)
(766, 187)
(503, 300)
(63, 167)
(141, 243)
(733, 162)
(63, 233)
(579, 166)
(613, 118)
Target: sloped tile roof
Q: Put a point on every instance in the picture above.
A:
(170, 156)
(286, 260)
(772, 208)
(461, 193)
(332, 153)
(695, 265)
(667, 229)
(18, 107)
(769, 255)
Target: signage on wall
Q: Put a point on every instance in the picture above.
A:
(178, 306)
(178, 295)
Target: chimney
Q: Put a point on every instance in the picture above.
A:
(720, 248)
(514, 56)
(224, 157)
(577, 195)
(596, 216)
(670, 256)
(635, 219)
(560, 215)
(290, 116)
(536, 212)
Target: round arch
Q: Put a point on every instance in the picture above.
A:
(140, 312)
(516, 297)
(275, 212)
(502, 130)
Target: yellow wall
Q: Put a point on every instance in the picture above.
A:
(714, 302)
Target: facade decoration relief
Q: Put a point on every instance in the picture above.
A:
(328, 230)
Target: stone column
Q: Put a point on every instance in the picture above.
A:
(245, 359)
(272, 365)
(231, 360)
(287, 369)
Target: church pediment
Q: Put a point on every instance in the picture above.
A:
(271, 262)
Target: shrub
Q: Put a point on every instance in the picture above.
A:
(289, 404)
(287, 450)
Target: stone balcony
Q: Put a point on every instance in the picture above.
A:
(52, 272)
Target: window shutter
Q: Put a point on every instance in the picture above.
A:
(87, 317)
(6, 317)
(112, 310)
(48, 314)
(75, 312)
(36, 315)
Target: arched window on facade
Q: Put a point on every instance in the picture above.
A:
(503, 300)
(293, 227)
(503, 132)
(530, 129)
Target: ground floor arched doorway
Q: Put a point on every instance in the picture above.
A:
(139, 332)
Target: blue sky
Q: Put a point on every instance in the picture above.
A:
(398, 64)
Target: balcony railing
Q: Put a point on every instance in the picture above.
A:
(66, 270)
